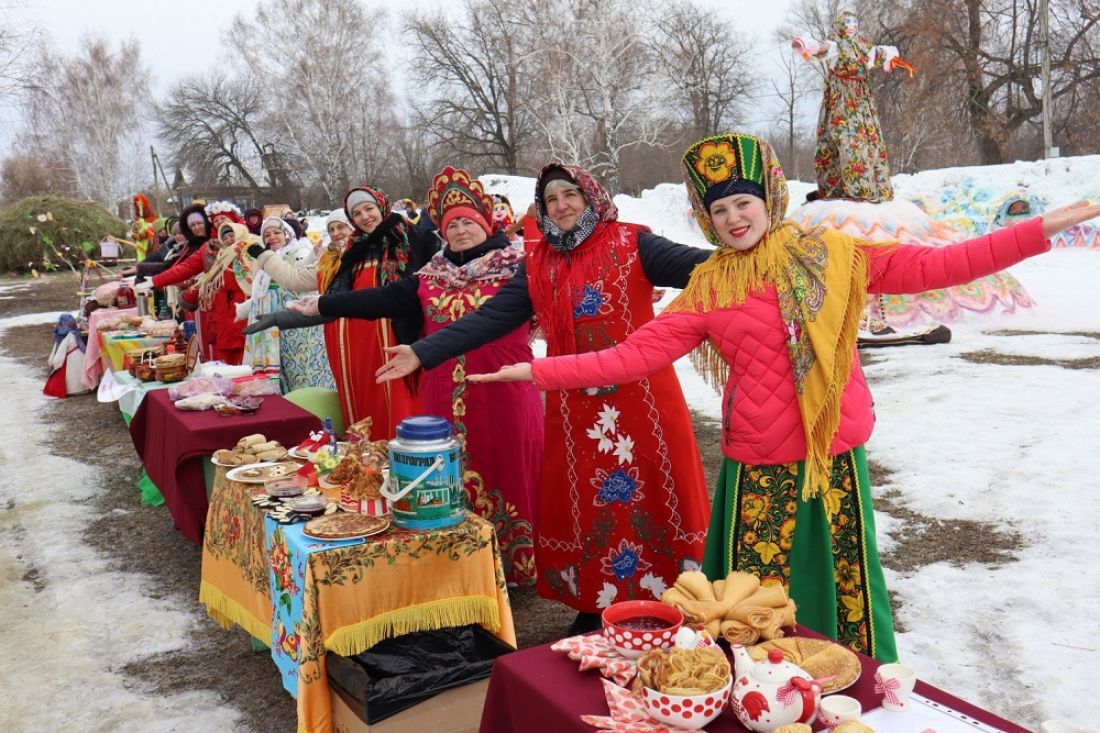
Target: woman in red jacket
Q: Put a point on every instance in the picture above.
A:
(773, 315)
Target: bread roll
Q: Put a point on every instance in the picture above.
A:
(736, 632)
(271, 455)
(793, 728)
(853, 726)
(251, 440)
(246, 458)
(223, 456)
(258, 448)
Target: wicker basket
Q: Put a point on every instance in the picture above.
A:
(171, 367)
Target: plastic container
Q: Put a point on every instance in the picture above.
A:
(425, 481)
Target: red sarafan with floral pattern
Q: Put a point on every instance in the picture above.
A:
(501, 423)
(623, 504)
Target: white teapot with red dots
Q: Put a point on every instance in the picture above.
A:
(771, 693)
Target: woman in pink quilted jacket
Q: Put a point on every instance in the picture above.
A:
(773, 316)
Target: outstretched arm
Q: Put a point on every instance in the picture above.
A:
(915, 268)
(393, 300)
(503, 313)
(652, 347)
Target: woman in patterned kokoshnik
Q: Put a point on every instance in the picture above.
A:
(622, 507)
(773, 316)
(501, 424)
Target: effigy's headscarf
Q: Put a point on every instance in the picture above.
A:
(228, 257)
(820, 276)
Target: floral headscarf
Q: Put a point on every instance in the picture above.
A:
(551, 260)
(389, 242)
(600, 207)
(228, 257)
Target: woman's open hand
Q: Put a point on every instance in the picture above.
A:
(403, 362)
(509, 373)
(305, 306)
(1063, 218)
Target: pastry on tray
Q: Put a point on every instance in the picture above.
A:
(821, 658)
(345, 525)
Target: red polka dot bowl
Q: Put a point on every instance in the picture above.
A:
(690, 712)
(635, 627)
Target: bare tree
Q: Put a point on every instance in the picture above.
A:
(597, 91)
(477, 69)
(212, 124)
(25, 174)
(329, 100)
(791, 88)
(18, 39)
(706, 65)
(990, 48)
(88, 111)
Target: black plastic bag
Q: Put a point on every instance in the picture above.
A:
(398, 673)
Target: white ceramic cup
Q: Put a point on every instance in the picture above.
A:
(899, 680)
(835, 709)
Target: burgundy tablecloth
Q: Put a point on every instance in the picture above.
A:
(172, 444)
(537, 690)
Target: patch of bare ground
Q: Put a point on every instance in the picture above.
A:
(142, 539)
(987, 356)
(1020, 332)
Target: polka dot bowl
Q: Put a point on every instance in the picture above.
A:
(632, 642)
(690, 712)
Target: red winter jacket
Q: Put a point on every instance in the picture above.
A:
(760, 418)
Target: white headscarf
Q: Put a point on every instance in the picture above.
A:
(337, 215)
(297, 252)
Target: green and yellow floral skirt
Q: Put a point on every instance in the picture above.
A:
(830, 568)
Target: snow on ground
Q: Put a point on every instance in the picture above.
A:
(65, 640)
(1010, 445)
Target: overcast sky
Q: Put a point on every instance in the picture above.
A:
(182, 38)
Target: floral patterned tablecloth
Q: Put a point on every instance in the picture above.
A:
(305, 597)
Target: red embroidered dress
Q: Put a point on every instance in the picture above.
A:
(501, 422)
(623, 506)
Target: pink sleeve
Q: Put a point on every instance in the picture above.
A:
(653, 346)
(916, 268)
(180, 271)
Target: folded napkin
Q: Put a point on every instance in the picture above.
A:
(627, 714)
(594, 651)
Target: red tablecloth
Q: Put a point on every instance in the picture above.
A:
(172, 444)
(537, 690)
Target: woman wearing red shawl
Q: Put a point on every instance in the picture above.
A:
(624, 509)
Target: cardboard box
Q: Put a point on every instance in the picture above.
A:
(453, 711)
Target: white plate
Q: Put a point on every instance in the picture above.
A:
(235, 474)
(303, 456)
